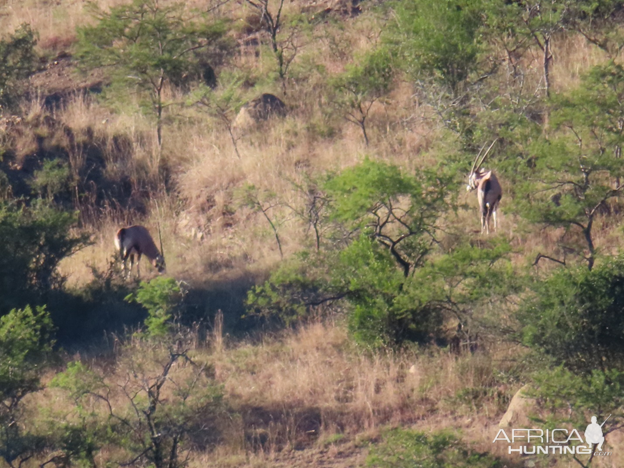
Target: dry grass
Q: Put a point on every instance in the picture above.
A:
(306, 388)
(303, 387)
(573, 56)
(315, 370)
(311, 389)
(209, 235)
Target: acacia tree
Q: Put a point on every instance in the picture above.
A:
(386, 225)
(384, 259)
(164, 397)
(284, 46)
(438, 39)
(361, 85)
(146, 45)
(577, 168)
(399, 211)
(223, 103)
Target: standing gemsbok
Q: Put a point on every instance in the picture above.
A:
(489, 191)
(136, 240)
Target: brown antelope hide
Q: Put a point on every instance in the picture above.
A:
(489, 191)
(136, 241)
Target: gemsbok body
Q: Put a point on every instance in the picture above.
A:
(489, 190)
(136, 241)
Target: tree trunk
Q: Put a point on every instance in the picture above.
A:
(363, 126)
(590, 244)
(547, 57)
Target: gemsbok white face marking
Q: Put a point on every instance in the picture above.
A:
(136, 240)
(489, 191)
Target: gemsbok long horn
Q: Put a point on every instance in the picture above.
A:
(485, 155)
(474, 163)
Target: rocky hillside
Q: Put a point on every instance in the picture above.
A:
(330, 297)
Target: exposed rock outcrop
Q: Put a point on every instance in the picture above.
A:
(517, 414)
(259, 109)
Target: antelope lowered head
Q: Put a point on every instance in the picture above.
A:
(136, 241)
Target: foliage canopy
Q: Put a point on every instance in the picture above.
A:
(17, 63)
(576, 317)
(147, 46)
(33, 240)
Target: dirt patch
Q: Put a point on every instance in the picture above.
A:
(333, 456)
(59, 78)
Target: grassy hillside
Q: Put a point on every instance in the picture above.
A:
(329, 279)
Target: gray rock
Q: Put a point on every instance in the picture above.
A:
(259, 109)
(517, 414)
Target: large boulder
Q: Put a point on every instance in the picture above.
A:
(258, 110)
(517, 414)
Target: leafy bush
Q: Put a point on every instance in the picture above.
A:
(572, 396)
(53, 179)
(576, 317)
(569, 398)
(438, 39)
(160, 297)
(164, 401)
(17, 63)
(25, 343)
(401, 448)
(295, 286)
(33, 240)
(385, 262)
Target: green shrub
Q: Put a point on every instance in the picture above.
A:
(160, 297)
(25, 343)
(439, 39)
(54, 178)
(17, 62)
(576, 317)
(401, 448)
(156, 404)
(33, 240)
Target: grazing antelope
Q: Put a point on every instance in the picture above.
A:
(489, 191)
(136, 240)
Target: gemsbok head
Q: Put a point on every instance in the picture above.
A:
(489, 191)
(136, 241)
